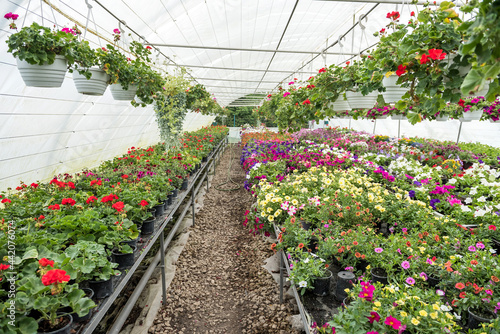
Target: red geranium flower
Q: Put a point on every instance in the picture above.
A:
(306, 102)
(461, 102)
(4, 266)
(54, 207)
(34, 185)
(424, 59)
(143, 203)
(55, 276)
(118, 206)
(323, 70)
(68, 201)
(393, 15)
(436, 54)
(46, 262)
(401, 70)
(6, 200)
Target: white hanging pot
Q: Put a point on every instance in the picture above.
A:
(43, 75)
(96, 85)
(340, 104)
(120, 94)
(398, 117)
(472, 115)
(393, 92)
(358, 101)
(496, 122)
(442, 118)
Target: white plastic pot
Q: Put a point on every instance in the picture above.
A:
(96, 85)
(357, 101)
(120, 94)
(340, 104)
(472, 115)
(43, 75)
(393, 92)
(442, 118)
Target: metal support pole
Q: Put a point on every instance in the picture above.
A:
(350, 123)
(192, 201)
(162, 268)
(459, 132)
(281, 276)
(399, 129)
(374, 125)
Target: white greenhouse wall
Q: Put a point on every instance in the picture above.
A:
(475, 131)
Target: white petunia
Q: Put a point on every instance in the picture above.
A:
(306, 260)
(303, 284)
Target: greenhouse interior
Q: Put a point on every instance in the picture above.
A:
(278, 166)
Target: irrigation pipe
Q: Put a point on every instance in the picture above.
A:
(228, 179)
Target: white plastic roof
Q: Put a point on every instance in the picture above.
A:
(225, 45)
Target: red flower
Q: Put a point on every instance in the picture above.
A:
(401, 70)
(34, 185)
(306, 102)
(55, 276)
(6, 200)
(393, 15)
(347, 62)
(374, 316)
(91, 199)
(98, 182)
(54, 207)
(462, 294)
(148, 47)
(459, 286)
(436, 54)
(143, 203)
(412, 14)
(382, 30)
(41, 217)
(46, 262)
(461, 103)
(492, 228)
(4, 266)
(71, 185)
(118, 206)
(68, 201)
(424, 59)
(124, 176)
(323, 70)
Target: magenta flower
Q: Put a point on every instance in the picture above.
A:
(424, 275)
(8, 16)
(372, 332)
(472, 248)
(480, 245)
(410, 280)
(68, 31)
(286, 94)
(116, 31)
(393, 322)
(374, 316)
(291, 83)
(453, 200)
(379, 250)
(405, 264)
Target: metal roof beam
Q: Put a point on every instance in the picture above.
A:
(243, 69)
(246, 50)
(237, 80)
(396, 2)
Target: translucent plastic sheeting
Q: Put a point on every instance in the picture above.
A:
(475, 131)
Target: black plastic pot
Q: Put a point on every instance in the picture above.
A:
(159, 210)
(433, 281)
(204, 159)
(169, 199)
(165, 206)
(305, 225)
(153, 211)
(102, 289)
(175, 192)
(124, 260)
(379, 275)
(148, 226)
(477, 318)
(321, 285)
(345, 280)
(64, 330)
(313, 243)
(184, 185)
(132, 243)
(362, 265)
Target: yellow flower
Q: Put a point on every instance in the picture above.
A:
(435, 307)
(271, 218)
(287, 198)
(422, 313)
(404, 314)
(269, 209)
(415, 321)
(434, 315)
(448, 315)
(378, 304)
(295, 202)
(277, 213)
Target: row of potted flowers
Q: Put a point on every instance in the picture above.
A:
(417, 67)
(356, 222)
(81, 230)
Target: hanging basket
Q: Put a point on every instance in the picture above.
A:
(398, 117)
(120, 94)
(472, 115)
(96, 85)
(442, 118)
(43, 75)
(359, 101)
(393, 92)
(341, 105)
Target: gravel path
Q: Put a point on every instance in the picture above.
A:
(220, 285)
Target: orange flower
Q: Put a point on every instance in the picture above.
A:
(473, 262)
(436, 237)
(355, 243)
(495, 279)
(327, 265)
(358, 214)
(273, 246)
(357, 255)
(459, 286)
(301, 245)
(283, 229)
(363, 256)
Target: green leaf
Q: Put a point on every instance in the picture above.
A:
(30, 254)
(473, 82)
(27, 325)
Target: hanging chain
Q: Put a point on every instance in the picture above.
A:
(26, 14)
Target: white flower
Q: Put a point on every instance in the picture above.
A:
(306, 260)
(480, 213)
(492, 251)
(248, 176)
(457, 316)
(465, 208)
(473, 191)
(445, 308)
(452, 181)
(481, 199)
(303, 284)
(468, 200)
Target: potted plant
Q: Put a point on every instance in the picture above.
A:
(361, 86)
(42, 54)
(309, 271)
(472, 108)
